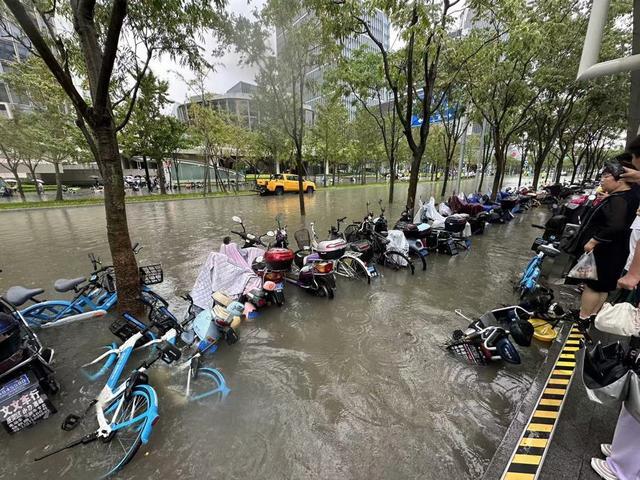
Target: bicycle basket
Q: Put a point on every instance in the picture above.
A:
(163, 319)
(469, 352)
(151, 274)
(303, 238)
(351, 233)
(152, 300)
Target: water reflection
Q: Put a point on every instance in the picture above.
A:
(359, 387)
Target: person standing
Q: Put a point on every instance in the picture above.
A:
(622, 458)
(605, 232)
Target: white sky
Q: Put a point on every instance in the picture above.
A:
(227, 72)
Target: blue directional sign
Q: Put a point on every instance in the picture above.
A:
(449, 113)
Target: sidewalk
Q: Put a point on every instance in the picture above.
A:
(583, 426)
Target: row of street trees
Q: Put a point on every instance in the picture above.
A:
(95, 97)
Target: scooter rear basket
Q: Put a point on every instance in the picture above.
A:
(471, 353)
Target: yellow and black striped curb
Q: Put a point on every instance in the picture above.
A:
(529, 454)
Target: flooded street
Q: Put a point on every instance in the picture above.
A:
(355, 388)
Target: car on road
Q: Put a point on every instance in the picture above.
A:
(281, 183)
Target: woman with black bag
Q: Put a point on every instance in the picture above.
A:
(605, 232)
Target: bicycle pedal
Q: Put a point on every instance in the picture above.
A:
(70, 422)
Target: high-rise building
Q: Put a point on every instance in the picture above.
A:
(11, 50)
(380, 26)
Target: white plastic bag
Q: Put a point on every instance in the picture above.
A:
(620, 319)
(585, 269)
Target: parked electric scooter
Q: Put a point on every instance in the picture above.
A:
(269, 262)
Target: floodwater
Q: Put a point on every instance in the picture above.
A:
(354, 388)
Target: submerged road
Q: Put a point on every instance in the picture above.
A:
(355, 388)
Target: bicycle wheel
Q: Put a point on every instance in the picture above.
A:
(359, 268)
(48, 312)
(398, 261)
(206, 382)
(130, 429)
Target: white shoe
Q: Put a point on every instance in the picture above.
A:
(605, 448)
(602, 468)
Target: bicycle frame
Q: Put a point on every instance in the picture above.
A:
(112, 395)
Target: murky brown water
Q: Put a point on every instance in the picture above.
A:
(354, 388)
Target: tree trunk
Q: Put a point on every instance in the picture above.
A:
(392, 178)
(123, 258)
(146, 173)
(537, 169)
(56, 166)
(333, 181)
(413, 179)
(481, 178)
(523, 160)
(300, 168)
(447, 172)
(32, 171)
(177, 165)
(559, 165)
(500, 161)
(162, 181)
(19, 184)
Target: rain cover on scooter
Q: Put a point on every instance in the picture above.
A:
(397, 243)
(431, 213)
(205, 328)
(219, 273)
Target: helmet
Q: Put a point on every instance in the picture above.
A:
(507, 351)
(522, 332)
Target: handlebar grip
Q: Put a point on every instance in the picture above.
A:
(538, 226)
(342, 219)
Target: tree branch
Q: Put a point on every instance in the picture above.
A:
(118, 14)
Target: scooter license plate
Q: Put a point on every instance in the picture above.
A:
(373, 271)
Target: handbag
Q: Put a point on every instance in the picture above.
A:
(604, 374)
(620, 319)
(585, 268)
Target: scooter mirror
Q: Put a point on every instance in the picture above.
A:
(236, 219)
(271, 233)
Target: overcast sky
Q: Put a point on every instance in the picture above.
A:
(227, 73)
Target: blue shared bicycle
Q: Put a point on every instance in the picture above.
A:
(531, 275)
(125, 411)
(93, 297)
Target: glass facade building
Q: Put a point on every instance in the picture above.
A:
(381, 28)
(237, 103)
(11, 50)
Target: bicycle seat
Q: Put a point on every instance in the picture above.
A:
(549, 250)
(18, 295)
(64, 285)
